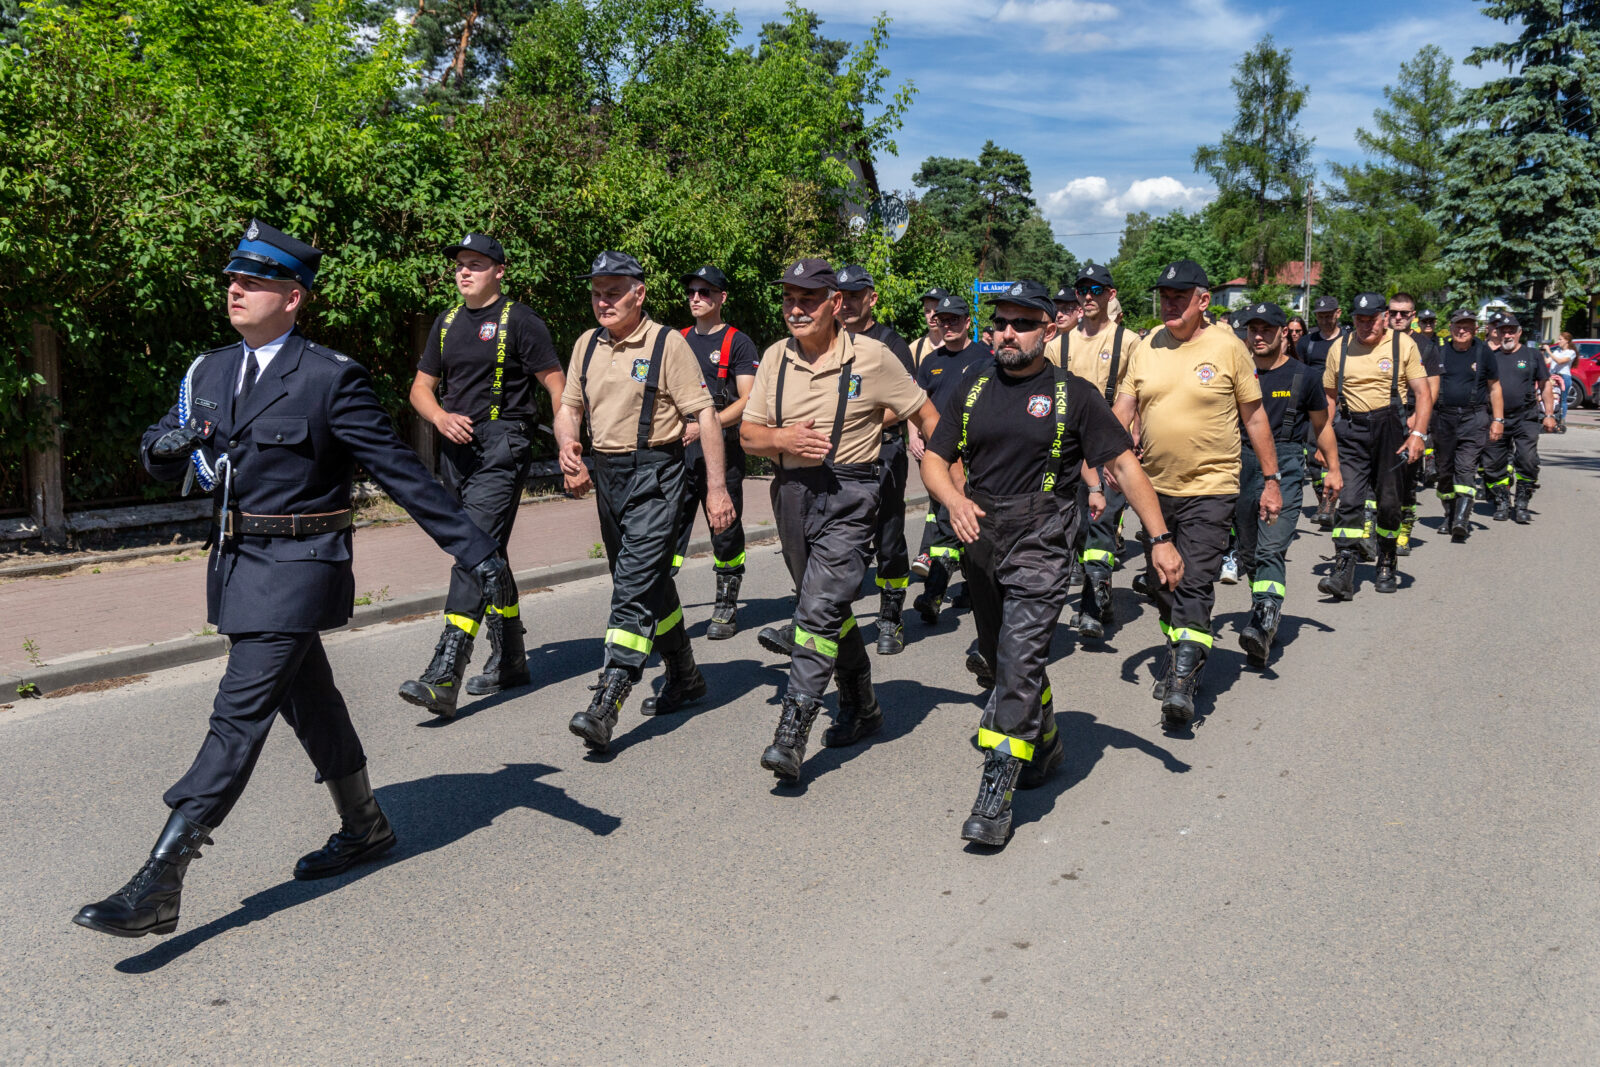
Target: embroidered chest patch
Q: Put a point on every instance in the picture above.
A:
(1038, 406)
(487, 331)
(854, 389)
(1205, 372)
(641, 370)
(1385, 365)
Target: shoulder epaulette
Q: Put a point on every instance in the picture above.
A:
(327, 353)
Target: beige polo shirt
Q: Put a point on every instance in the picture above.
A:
(1189, 395)
(617, 374)
(878, 383)
(1369, 369)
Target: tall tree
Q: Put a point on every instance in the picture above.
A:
(1520, 203)
(1408, 147)
(987, 206)
(1263, 161)
(463, 45)
(802, 31)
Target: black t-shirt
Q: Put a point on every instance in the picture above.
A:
(1313, 348)
(894, 343)
(941, 370)
(1013, 425)
(1428, 348)
(1464, 376)
(1289, 404)
(743, 358)
(1522, 373)
(463, 358)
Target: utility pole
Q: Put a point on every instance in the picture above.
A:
(1305, 264)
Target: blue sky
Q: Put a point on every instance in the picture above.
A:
(1107, 101)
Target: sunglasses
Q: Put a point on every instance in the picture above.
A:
(705, 294)
(1001, 323)
(1401, 314)
(1088, 289)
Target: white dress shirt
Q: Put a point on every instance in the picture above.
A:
(264, 356)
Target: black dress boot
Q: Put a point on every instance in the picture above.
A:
(681, 686)
(859, 715)
(788, 749)
(1461, 518)
(1386, 581)
(148, 904)
(891, 631)
(1340, 583)
(595, 723)
(440, 684)
(364, 832)
(1177, 708)
(508, 658)
(990, 821)
(778, 639)
(1520, 514)
(725, 612)
(1502, 503)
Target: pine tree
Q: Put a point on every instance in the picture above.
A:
(1520, 203)
(1410, 140)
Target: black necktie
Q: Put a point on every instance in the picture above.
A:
(251, 369)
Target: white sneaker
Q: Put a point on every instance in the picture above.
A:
(1230, 570)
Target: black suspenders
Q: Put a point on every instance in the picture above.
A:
(652, 383)
(1116, 360)
(839, 412)
(1394, 372)
(1052, 465)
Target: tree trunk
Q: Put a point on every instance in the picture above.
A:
(45, 471)
(458, 65)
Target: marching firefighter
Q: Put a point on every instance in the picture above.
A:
(1023, 430)
(1512, 460)
(475, 384)
(818, 408)
(1470, 413)
(1369, 376)
(1402, 314)
(640, 385)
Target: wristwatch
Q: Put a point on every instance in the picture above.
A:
(1418, 434)
(1497, 420)
(1275, 476)
(1161, 539)
(1096, 489)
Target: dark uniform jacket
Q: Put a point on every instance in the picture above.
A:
(311, 417)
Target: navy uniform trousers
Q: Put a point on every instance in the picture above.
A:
(1373, 471)
(1200, 527)
(1264, 546)
(294, 442)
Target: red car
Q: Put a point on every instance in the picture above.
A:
(1585, 374)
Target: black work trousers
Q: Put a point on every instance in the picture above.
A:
(1515, 457)
(1099, 536)
(894, 564)
(1459, 435)
(640, 495)
(487, 476)
(942, 547)
(1264, 548)
(1369, 460)
(1200, 526)
(1017, 572)
(268, 674)
(727, 547)
(826, 517)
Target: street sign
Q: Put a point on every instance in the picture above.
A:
(980, 289)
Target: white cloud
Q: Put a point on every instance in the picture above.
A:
(1087, 213)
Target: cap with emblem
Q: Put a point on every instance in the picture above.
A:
(853, 278)
(1504, 320)
(266, 252)
(1025, 294)
(1095, 274)
(480, 243)
(610, 264)
(708, 274)
(1427, 316)
(1184, 274)
(935, 294)
(1271, 314)
(1325, 303)
(952, 305)
(810, 274)
(1067, 295)
(1463, 315)
(1369, 304)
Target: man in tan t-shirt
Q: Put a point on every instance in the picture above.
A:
(640, 383)
(933, 338)
(1192, 387)
(818, 408)
(1370, 374)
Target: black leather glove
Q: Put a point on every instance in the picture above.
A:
(494, 575)
(176, 444)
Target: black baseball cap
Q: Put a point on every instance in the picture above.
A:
(614, 265)
(1065, 295)
(1427, 316)
(480, 243)
(935, 293)
(950, 304)
(810, 273)
(1269, 313)
(1184, 274)
(708, 274)
(1463, 315)
(267, 252)
(1325, 303)
(1025, 294)
(1370, 304)
(1504, 319)
(1095, 274)
(853, 278)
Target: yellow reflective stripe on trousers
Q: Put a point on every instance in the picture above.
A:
(805, 638)
(670, 621)
(931, 517)
(1044, 697)
(505, 613)
(892, 583)
(938, 550)
(1098, 555)
(1165, 628)
(1011, 746)
(461, 622)
(1381, 532)
(848, 625)
(1268, 587)
(1467, 490)
(677, 561)
(724, 564)
(627, 640)
(1353, 533)
(1183, 633)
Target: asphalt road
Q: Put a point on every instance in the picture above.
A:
(1382, 850)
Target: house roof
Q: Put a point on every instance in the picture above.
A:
(1291, 274)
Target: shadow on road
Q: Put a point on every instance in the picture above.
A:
(905, 704)
(428, 814)
(726, 683)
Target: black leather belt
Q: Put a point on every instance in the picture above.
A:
(241, 524)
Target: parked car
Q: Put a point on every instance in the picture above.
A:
(1585, 374)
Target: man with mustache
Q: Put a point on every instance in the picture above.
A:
(818, 408)
(1024, 431)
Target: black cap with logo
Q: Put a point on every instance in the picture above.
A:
(1095, 274)
(853, 278)
(951, 304)
(935, 294)
(810, 273)
(1427, 316)
(708, 274)
(1326, 302)
(614, 265)
(1463, 315)
(1184, 274)
(1269, 313)
(1025, 294)
(1369, 304)
(480, 243)
(1067, 295)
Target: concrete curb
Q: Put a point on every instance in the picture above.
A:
(90, 667)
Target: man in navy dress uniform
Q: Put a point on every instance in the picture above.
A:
(274, 427)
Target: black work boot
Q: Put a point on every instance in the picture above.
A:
(1048, 754)
(990, 821)
(508, 657)
(148, 904)
(364, 832)
(1340, 583)
(1163, 682)
(440, 684)
(1461, 518)
(681, 686)
(1502, 502)
(788, 749)
(1524, 494)
(1408, 521)
(1177, 707)
(1385, 581)
(980, 668)
(1257, 637)
(1095, 611)
(778, 639)
(891, 631)
(1367, 547)
(594, 725)
(859, 715)
(1323, 519)
(931, 599)
(725, 612)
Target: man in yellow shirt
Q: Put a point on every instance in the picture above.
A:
(1192, 387)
